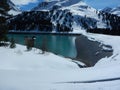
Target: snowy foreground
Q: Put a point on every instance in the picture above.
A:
(22, 70)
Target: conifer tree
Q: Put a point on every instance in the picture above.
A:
(4, 8)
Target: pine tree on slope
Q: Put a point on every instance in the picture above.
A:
(4, 8)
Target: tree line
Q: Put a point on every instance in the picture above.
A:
(42, 21)
(4, 8)
(113, 24)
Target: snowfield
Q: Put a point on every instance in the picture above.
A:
(23, 70)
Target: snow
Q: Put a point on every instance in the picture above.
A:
(23, 70)
(75, 6)
(35, 61)
(31, 70)
(107, 40)
(84, 10)
(84, 16)
(107, 48)
(116, 13)
(78, 8)
(115, 10)
(13, 12)
(51, 3)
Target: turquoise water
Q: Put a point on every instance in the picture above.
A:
(63, 45)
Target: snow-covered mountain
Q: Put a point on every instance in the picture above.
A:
(13, 8)
(48, 5)
(107, 9)
(63, 16)
(82, 13)
(115, 11)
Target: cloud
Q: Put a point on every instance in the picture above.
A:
(23, 2)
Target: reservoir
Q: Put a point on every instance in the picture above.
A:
(63, 45)
(77, 47)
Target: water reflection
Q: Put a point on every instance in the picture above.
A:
(59, 44)
(77, 47)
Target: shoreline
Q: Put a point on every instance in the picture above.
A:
(44, 33)
(90, 52)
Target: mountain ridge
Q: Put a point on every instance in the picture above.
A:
(48, 5)
(115, 11)
(14, 10)
(63, 16)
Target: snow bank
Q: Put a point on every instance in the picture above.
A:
(22, 70)
(113, 41)
(20, 59)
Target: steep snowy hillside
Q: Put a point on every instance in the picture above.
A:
(63, 16)
(111, 17)
(44, 5)
(13, 9)
(23, 70)
(48, 5)
(107, 9)
(115, 11)
(84, 15)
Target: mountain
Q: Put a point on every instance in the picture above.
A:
(48, 5)
(80, 11)
(107, 9)
(115, 11)
(13, 8)
(63, 16)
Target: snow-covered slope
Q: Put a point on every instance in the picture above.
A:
(48, 5)
(45, 5)
(107, 9)
(13, 9)
(23, 70)
(115, 10)
(65, 16)
(84, 15)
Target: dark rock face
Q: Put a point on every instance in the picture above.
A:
(90, 52)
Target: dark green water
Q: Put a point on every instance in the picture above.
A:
(59, 44)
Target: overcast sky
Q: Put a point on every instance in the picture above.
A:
(98, 4)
